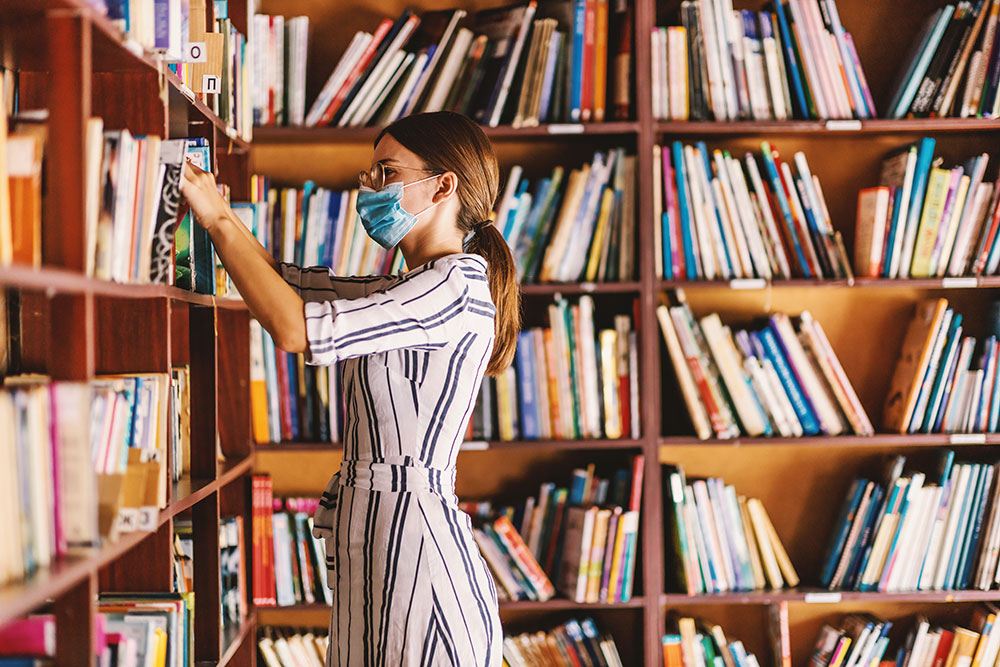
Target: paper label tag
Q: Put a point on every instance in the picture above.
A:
(210, 83)
(195, 52)
(187, 92)
(128, 519)
(566, 128)
(967, 439)
(148, 518)
(747, 283)
(822, 598)
(846, 125)
(968, 281)
(587, 287)
(231, 132)
(475, 444)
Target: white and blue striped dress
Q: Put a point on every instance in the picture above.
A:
(410, 586)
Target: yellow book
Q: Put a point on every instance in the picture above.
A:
(688, 630)
(161, 648)
(768, 557)
(977, 658)
(595, 566)
(564, 224)
(913, 359)
(755, 563)
(840, 652)
(941, 263)
(930, 220)
(598, 242)
(609, 383)
(616, 561)
(504, 408)
(696, 409)
(600, 70)
(258, 385)
(784, 562)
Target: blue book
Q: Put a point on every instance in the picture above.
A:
(803, 411)
(982, 416)
(525, 359)
(888, 506)
(916, 482)
(889, 251)
(949, 382)
(283, 560)
(965, 510)
(576, 61)
(866, 538)
(791, 62)
(786, 210)
(577, 487)
(668, 265)
(925, 154)
(549, 76)
(945, 373)
(842, 526)
(293, 392)
(907, 90)
(973, 527)
(271, 381)
(716, 206)
(690, 267)
(332, 228)
(930, 372)
(300, 245)
(539, 199)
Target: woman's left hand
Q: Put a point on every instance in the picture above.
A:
(202, 194)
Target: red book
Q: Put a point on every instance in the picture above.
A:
(943, 648)
(587, 71)
(272, 589)
(359, 67)
(32, 636)
(990, 238)
(635, 495)
(521, 555)
(556, 526)
(284, 395)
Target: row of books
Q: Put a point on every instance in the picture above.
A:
(863, 639)
(770, 381)
(583, 537)
(279, 49)
(691, 642)
(569, 380)
(86, 462)
(179, 413)
(231, 95)
(719, 219)
(952, 67)
(525, 64)
(573, 643)
(924, 220)
(311, 226)
(720, 541)
(581, 227)
(289, 563)
(232, 567)
(915, 530)
(290, 400)
(721, 64)
(940, 383)
(292, 647)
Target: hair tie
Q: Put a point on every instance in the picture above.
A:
(481, 224)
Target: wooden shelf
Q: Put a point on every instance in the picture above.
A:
(347, 135)
(877, 440)
(233, 641)
(473, 445)
(555, 604)
(965, 282)
(832, 128)
(580, 288)
(822, 596)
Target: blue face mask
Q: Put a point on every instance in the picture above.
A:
(383, 215)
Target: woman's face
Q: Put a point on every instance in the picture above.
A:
(402, 165)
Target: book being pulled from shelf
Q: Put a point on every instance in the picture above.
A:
(232, 567)
(863, 639)
(289, 563)
(720, 541)
(721, 217)
(692, 642)
(575, 642)
(148, 629)
(794, 62)
(584, 538)
(943, 381)
(952, 66)
(86, 462)
(914, 530)
(290, 400)
(771, 380)
(279, 50)
(524, 64)
(578, 227)
(288, 647)
(569, 380)
(924, 220)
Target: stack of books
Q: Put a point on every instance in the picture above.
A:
(148, 628)
(770, 381)
(279, 54)
(952, 67)
(941, 384)
(232, 567)
(583, 537)
(581, 227)
(691, 642)
(289, 563)
(526, 64)
(794, 62)
(290, 400)
(567, 645)
(720, 541)
(925, 221)
(720, 218)
(569, 380)
(287, 647)
(918, 531)
(863, 639)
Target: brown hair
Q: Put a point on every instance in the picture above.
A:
(448, 141)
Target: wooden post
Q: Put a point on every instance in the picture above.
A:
(207, 619)
(204, 412)
(74, 612)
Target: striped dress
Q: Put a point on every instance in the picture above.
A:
(410, 586)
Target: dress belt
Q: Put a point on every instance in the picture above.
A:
(406, 474)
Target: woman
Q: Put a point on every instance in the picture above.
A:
(410, 586)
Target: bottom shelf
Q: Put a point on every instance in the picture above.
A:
(556, 604)
(233, 639)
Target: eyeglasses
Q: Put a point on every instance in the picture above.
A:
(375, 177)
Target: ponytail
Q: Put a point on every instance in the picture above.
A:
(448, 141)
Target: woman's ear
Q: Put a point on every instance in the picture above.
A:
(447, 185)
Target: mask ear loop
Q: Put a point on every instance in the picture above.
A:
(427, 208)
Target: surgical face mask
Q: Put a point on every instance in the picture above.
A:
(383, 215)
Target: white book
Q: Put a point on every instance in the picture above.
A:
(782, 398)
(401, 64)
(337, 77)
(765, 208)
(586, 540)
(739, 230)
(298, 30)
(932, 556)
(826, 411)
(515, 57)
(748, 220)
(435, 60)
(700, 211)
(810, 67)
(449, 70)
(703, 508)
(713, 59)
(774, 73)
(951, 527)
(952, 260)
(980, 214)
(696, 408)
(509, 199)
(727, 44)
(541, 384)
(917, 553)
(760, 105)
(677, 64)
(658, 65)
(590, 373)
(394, 111)
(718, 229)
(368, 87)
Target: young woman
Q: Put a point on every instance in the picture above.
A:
(410, 586)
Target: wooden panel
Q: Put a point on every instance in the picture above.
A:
(141, 346)
(233, 171)
(207, 612)
(146, 567)
(71, 343)
(180, 353)
(130, 100)
(75, 646)
(233, 391)
(204, 416)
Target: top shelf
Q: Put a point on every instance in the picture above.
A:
(833, 128)
(347, 135)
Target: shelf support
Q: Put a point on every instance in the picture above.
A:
(74, 613)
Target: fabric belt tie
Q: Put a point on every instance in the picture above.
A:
(407, 475)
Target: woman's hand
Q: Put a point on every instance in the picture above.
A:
(202, 195)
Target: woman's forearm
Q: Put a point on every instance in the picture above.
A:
(261, 250)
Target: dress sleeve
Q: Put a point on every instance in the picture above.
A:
(424, 309)
(317, 283)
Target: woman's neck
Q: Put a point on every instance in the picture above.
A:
(420, 246)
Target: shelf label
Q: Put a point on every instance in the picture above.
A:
(231, 132)
(210, 83)
(967, 439)
(587, 287)
(747, 283)
(195, 52)
(475, 445)
(566, 128)
(846, 125)
(968, 281)
(823, 598)
(187, 92)
(148, 518)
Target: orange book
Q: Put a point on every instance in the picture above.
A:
(551, 370)
(601, 61)
(913, 358)
(24, 179)
(672, 651)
